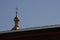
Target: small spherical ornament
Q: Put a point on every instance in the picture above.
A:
(16, 19)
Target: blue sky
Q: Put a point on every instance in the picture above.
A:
(32, 13)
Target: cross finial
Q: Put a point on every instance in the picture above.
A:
(16, 11)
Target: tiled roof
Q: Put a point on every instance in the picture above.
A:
(32, 28)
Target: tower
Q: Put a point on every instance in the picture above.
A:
(16, 21)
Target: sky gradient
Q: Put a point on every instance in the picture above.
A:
(32, 13)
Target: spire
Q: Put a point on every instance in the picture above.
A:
(16, 21)
(16, 11)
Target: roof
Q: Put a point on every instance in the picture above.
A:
(32, 28)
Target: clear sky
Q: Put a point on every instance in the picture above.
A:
(32, 13)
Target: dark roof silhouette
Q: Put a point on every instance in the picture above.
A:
(32, 28)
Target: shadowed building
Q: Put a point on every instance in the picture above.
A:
(51, 32)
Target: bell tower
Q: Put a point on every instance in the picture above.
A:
(16, 21)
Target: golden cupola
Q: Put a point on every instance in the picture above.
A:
(16, 21)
